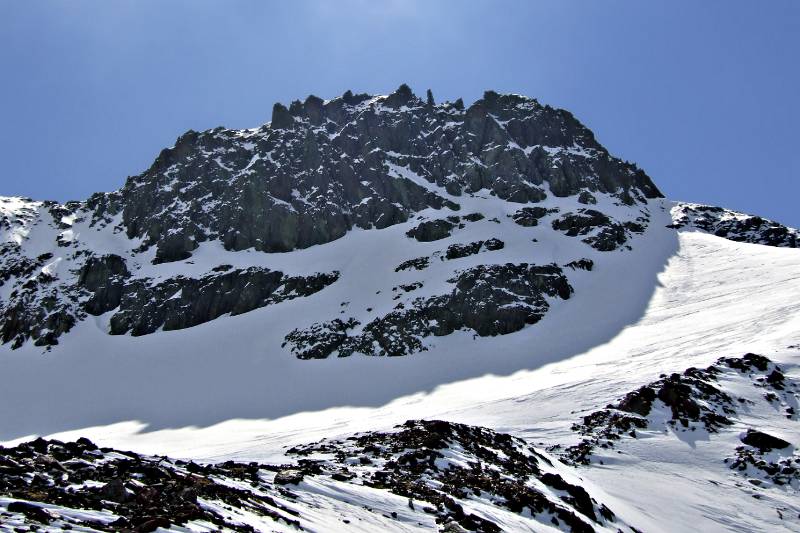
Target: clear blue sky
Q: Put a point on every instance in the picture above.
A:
(702, 94)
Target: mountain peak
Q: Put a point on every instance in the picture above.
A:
(318, 170)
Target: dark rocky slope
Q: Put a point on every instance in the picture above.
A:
(47, 481)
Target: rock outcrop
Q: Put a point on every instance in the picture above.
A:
(602, 232)
(487, 299)
(734, 225)
(181, 302)
(322, 167)
(694, 400)
(446, 465)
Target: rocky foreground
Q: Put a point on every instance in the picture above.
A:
(428, 474)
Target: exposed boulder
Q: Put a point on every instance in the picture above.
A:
(764, 442)
(529, 216)
(432, 230)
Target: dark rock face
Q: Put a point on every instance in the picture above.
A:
(604, 233)
(24, 319)
(182, 302)
(432, 230)
(529, 216)
(105, 278)
(488, 299)
(321, 168)
(734, 226)
(414, 462)
(38, 309)
(455, 251)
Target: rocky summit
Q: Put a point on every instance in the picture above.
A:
(319, 169)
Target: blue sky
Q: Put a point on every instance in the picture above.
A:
(702, 95)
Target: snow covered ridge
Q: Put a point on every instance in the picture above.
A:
(734, 225)
(746, 406)
(430, 474)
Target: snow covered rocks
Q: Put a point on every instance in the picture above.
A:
(453, 477)
(181, 302)
(486, 299)
(451, 470)
(240, 298)
(700, 400)
(360, 160)
(733, 225)
(602, 233)
(68, 485)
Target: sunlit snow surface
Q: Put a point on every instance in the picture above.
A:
(226, 389)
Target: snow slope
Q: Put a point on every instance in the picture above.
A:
(676, 300)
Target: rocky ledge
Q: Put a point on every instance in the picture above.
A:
(486, 299)
(693, 400)
(42, 309)
(600, 231)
